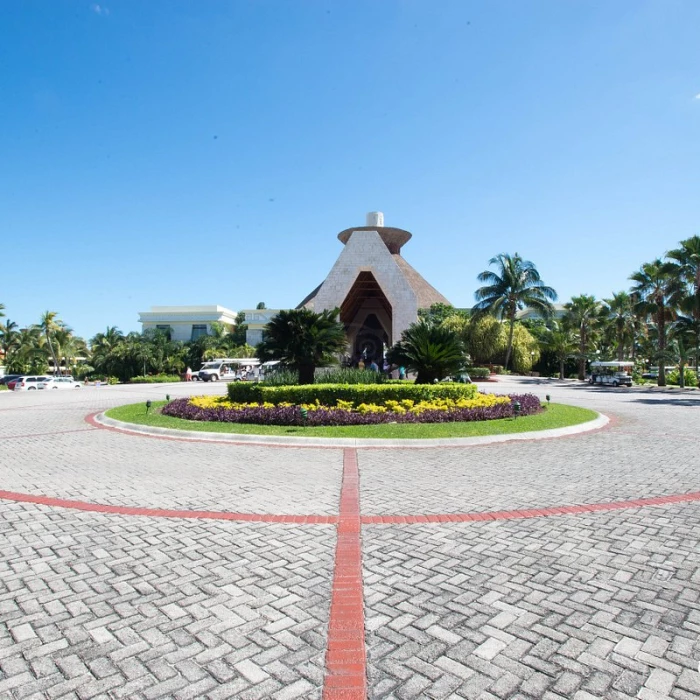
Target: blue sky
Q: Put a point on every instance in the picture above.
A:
(158, 153)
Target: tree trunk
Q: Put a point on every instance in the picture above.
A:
(306, 374)
(510, 340)
(681, 378)
(661, 325)
(582, 359)
(620, 346)
(53, 354)
(561, 369)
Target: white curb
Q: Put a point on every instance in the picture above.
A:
(280, 440)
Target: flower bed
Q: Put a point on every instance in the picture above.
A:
(482, 407)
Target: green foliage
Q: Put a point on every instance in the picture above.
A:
(349, 375)
(155, 379)
(303, 340)
(515, 285)
(486, 339)
(432, 351)
(479, 372)
(689, 376)
(439, 313)
(329, 394)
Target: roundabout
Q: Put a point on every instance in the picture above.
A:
(564, 567)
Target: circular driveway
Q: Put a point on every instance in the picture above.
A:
(552, 569)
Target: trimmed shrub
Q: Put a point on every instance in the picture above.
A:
(155, 379)
(479, 372)
(330, 394)
(323, 375)
(291, 415)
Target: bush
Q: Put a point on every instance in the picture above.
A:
(329, 394)
(674, 377)
(338, 375)
(155, 379)
(479, 372)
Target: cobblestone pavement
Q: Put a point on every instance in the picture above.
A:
(593, 605)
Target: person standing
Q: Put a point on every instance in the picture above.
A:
(188, 374)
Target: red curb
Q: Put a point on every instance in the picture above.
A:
(346, 657)
(166, 513)
(527, 514)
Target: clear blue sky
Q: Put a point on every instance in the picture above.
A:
(186, 152)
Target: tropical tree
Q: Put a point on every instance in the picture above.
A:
(303, 340)
(658, 289)
(687, 259)
(515, 285)
(561, 342)
(49, 326)
(430, 349)
(583, 314)
(618, 311)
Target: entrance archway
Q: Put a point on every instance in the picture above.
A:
(367, 315)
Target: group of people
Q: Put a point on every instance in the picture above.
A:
(371, 364)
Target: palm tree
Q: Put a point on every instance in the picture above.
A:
(516, 284)
(687, 258)
(582, 316)
(619, 312)
(430, 349)
(303, 340)
(561, 342)
(49, 326)
(658, 290)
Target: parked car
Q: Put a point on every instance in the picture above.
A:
(7, 378)
(29, 383)
(60, 383)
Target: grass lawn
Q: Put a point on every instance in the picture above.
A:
(555, 416)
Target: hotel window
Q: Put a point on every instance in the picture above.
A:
(198, 330)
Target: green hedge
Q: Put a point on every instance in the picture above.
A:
(479, 372)
(156, 379)
(329, 394)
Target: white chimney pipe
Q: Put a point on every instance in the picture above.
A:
(375, 218)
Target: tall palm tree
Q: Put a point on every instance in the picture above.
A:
(430, 349)
(687, 258)
(303, 340)
(619, 312)
(515, 285)
(582, 316)
(49, 326)
(658, 290)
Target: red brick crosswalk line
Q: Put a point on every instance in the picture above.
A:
(346, 664)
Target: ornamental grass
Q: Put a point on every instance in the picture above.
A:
(482, 407)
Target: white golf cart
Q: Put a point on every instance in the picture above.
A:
(611, 373)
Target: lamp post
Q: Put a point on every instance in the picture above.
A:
(516, 408)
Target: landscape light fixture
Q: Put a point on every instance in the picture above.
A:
(304, 415)
(516, 408)
(167, 397)
(148, 405)
(548, 397)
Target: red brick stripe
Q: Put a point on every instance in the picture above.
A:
(346, 666)
(166, 513)
(528, 513)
